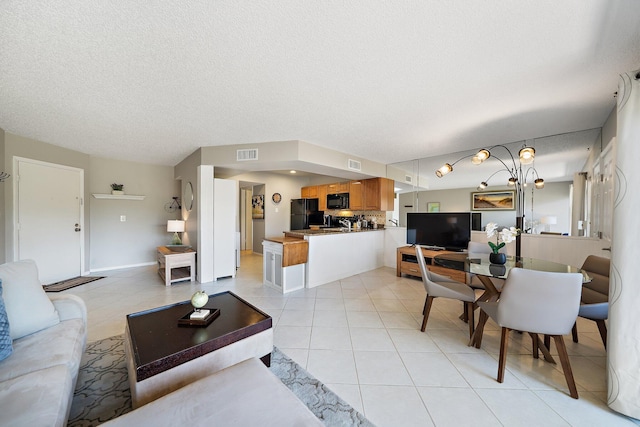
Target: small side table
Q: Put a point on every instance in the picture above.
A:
(176, 264)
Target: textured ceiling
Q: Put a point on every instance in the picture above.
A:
(384, 80)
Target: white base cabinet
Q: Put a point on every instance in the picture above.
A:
(284, 279)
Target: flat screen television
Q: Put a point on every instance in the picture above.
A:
(439, 230)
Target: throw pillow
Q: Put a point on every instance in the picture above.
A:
(6, 343)
(28, 308)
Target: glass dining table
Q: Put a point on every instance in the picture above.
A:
(479, 265)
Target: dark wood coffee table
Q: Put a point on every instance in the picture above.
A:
(163, 356)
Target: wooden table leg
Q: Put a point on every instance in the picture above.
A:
(490, 291)
(476, 339)
(545, 350)
(490, 294)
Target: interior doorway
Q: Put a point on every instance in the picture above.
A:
(246, 224)
(251, 229)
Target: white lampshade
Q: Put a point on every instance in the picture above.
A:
(551, 220)
(175, 226)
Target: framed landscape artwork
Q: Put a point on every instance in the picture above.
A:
(493, 201)
(433, 207)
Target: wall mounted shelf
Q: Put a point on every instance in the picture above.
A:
(118, 196)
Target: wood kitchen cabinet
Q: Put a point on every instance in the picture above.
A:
(322, 197)
(375, 194)
(378, 194)
(309, 192)
(356, 195)
(338, 187)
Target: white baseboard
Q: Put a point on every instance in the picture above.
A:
(119, 267)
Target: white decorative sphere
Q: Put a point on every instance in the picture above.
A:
(199, 299)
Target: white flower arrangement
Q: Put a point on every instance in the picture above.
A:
(506, 235)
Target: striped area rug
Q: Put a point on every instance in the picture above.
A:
(70, 283)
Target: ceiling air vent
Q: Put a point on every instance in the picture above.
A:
(354, 165)
(408, 179)
(248, 154)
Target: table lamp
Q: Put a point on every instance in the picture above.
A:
(175, 226)
(548, 220)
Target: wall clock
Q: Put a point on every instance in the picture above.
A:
(277, 198)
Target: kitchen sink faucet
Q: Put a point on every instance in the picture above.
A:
(345, 223)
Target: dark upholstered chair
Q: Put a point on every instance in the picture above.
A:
(595, 295)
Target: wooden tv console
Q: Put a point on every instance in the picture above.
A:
(407, 263)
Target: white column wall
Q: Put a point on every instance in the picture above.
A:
(624, 317)
(204, 203)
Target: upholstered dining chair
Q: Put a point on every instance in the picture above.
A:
(537, 302)
(439, 286)
(595, 295)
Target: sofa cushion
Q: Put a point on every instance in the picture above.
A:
(245, 394)
(40, 398)
(62, 344)
(28, 308)
(6, 346)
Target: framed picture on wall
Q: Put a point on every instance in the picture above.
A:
(493, 200)
(433, 207)
(257, 206)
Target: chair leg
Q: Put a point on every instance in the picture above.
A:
(534, 343)
(574, 332)
(476, 340)
(427, 309)
(545, 348)
(602, 327)
(470, 315)
(504, 341)
(547, 341)
(464, 316)
(566, 365)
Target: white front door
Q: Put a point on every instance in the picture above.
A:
(49, 219)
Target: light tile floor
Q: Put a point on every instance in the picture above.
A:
(361, 337)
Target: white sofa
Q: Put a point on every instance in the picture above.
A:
(245, 394)
(48, 334)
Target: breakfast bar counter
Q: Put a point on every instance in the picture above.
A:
(335, 254)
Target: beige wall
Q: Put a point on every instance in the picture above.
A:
(109, 243)
(116, 244)
(609, 129)
(187, 171)
(284, 155)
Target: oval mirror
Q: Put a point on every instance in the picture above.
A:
(188, 196)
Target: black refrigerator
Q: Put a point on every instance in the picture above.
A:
(304, 212)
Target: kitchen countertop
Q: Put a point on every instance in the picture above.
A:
(295, 250)
(286, 240)
(326, 231)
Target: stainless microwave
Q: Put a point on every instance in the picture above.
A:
(338, 201)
